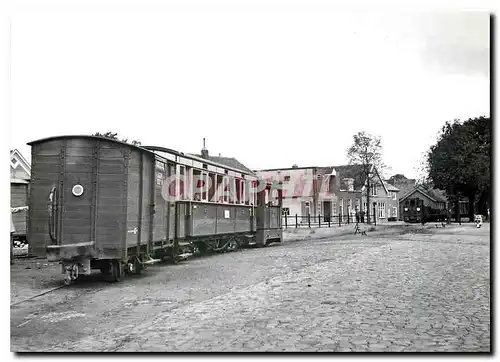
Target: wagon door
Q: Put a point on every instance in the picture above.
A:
(77, 193)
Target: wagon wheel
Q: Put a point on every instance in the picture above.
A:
(202, 247)
(116, 271)
(138, 267)
(105, 269)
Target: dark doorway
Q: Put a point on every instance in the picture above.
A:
(327, 210)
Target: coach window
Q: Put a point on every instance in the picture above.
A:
(233, 191)
(204, 185)
(218, 190)
(238, 191)
(230, 190)
(197, 184)
(188, 183)
(243, 190)
(247, 191)
(225, 183)
(211, 186)
(181, 182)
(172, 181)
(255, 198)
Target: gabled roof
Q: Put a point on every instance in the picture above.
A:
(355, 172)
(405, 185)
(390, 187)
(351, 171)
(228, 161)
(433, 194)
(325, 170)
(15, 154)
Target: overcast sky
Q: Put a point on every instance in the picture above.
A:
(269, 88)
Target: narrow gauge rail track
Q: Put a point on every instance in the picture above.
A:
(38, 295)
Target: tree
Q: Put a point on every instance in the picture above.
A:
(366, 151)
(114, 136)
(460, 161)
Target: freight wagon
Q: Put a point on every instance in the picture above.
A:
(97, 203)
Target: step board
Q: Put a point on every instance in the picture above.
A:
(151, 261)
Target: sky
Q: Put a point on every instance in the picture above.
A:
(270, 88)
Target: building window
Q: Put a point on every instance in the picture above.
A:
(331, 184)
(381, 210)
(14, 162)
(286, 179)
(341, 206)
(394, 211)
(374, 190)
(349, 184)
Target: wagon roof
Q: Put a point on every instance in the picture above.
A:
(433, 194)
(89, 136)
(216, 161)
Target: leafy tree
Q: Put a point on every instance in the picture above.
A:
(366, 151)
(114, 136)
(110, 135)
(460, 161)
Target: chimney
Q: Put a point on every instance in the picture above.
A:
(204, 151)
(295, 166)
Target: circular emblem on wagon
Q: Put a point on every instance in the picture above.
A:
(77, 190)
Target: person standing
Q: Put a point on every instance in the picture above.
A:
(14, 210)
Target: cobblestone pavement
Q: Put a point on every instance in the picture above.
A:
(411, 292)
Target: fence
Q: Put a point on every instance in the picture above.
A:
(296, 221)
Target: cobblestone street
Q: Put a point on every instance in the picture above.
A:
(425, 291)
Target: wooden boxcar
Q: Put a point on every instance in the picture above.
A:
(90, 204)
(19, 191)
(97, 203)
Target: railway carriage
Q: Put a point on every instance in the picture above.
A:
(97, 203)
(416, 211)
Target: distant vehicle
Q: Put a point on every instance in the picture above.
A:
(415, 211)
(478, 219)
